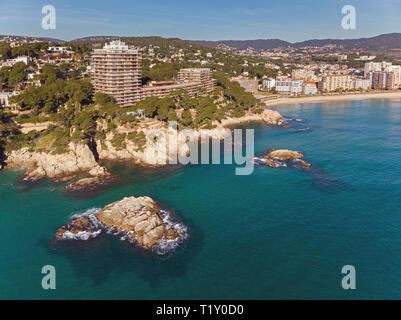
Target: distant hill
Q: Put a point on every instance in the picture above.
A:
(378, 43)
(259, 44)
(382, 42)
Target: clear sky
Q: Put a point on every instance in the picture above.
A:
(291, 20)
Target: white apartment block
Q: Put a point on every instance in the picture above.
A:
(269, 84)
(333, 82)
(289, 86)
(363, 84)
(309, 88)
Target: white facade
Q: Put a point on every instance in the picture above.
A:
(289, 86)
(376, 66)
(361, 84)
(58, 49)
(11, 62)
(269, 84)
(309, 89)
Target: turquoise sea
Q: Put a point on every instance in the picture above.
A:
(280, 233)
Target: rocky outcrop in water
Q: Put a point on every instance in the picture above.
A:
(283, 155)
(138, 218)
(77, 165)
(283, 158)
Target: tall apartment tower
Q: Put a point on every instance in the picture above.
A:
(116, 72)
(203, 76)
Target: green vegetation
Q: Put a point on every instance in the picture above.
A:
(12, 78)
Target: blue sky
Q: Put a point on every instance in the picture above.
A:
(290, 20)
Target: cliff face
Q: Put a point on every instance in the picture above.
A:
(155, 152)
(41, 165)
(270, 117)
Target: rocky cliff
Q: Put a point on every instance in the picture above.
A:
(80, 158)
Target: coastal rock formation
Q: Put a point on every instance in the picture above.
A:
(283, 158)
(79, 162)
(284, 155)
(141, 218)
(155, 152)
(89, 184)
(79, 158)
(138, 218)
(270, 117)
(79, 229)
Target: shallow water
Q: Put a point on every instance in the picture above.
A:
(278, 233)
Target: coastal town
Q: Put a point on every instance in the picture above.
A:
(102, 95)
(193, 158)
(268, 75)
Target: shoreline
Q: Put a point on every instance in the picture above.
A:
(344, 97)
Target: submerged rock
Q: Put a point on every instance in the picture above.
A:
(89, 184)
(80, 229)
(139, 218)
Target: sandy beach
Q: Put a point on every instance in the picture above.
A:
(359, 96)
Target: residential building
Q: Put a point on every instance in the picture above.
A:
(289, 86)
(363, 84)
(303, 74)
(164, 88)
(309, 88)
(269, 84)
(396, 69)
(376, 66)
(383, 80)
(333, 82)
(11, 62)
(203, 76)
(116, 72)
(58, 50)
